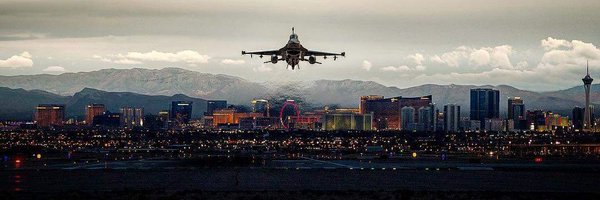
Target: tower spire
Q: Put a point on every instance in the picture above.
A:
(587, 84)
(588, 67)
(292, 30)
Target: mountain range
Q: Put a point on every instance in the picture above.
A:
(345, 93)
(19, 104)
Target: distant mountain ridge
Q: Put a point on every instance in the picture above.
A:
(19, 104)
(346, 93)
(167, 81)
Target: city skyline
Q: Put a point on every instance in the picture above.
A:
(463, 42)
(386, 99)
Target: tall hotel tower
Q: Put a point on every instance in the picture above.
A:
(587, 83)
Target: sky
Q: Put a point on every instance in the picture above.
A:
(539, 45)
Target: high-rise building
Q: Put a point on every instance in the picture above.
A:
(485, 104)
(451, 118)
(407, 115)
(513, 107)
(587, 84)
(577, 118)
(49, 115)
(181, 111)
(426, 118)
(231, 116)
(439, 119)
(93, 110)
(132, 117)
(163, 115)
(516, 112)
(363, 102)
(536, 120)
(108, 120)
(387, 111)
(555, 121)
(261, 106)
(212, 105)
(347, 121)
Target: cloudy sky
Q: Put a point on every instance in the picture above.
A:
(535, 44)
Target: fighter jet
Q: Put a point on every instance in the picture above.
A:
(293, 52)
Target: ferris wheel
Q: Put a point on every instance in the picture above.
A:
(283, 118)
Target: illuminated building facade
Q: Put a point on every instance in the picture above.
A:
(539, 120)
(516, 113)
(261, 106)
(93, 110)
(347, 121)
(363, 102)
(387, 112)
(307, 121)
(163, 115)
(555, 121)
(231, 116)
(495, 124)
(50, 115)
(132, 117)
(181, 111)
(157, 122)
(536, 120)
(266, 123)
(212, 105)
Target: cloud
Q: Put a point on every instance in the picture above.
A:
(551, 43)
(133, 58)
(125, 61)
(485, 56)
(479, 57)
(574, 52)
(420, 68)
(499, 56)
(451, 59)
(54, 69)
(186, 56)
(561, 65)
(416, 58)
(262, 68)
(121, 60)
(232, 62)
(366, 65)
(402, 68)
(522, 65)
(17, 61)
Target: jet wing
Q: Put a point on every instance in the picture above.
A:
(269, 52)
(319, 53)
